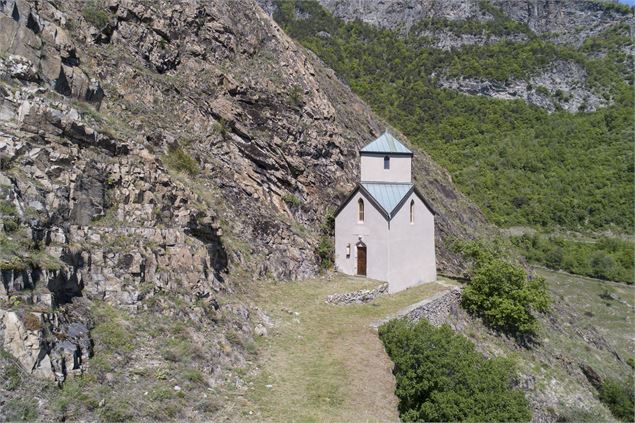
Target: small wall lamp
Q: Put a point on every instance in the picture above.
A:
(348, 250)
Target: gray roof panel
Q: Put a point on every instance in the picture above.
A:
(388, 196)
(386, 143)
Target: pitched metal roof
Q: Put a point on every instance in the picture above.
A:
(386, 143)
(388, 196)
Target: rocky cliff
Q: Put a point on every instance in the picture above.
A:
(565, 21)
(155, 158)
(563, 83)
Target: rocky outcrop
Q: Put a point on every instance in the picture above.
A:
(569, 22)
(43, 50)
(561, 86)
(148, 152)
(444, 39)
(50, 345)
(453, 25)
(564, 21)
(402, 14)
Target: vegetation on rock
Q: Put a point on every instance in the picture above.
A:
(619, 398)
(94, 13)
(179, 160)
(441, 377)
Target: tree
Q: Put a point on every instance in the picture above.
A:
(619, 398)
(441, 377)
(501, 293)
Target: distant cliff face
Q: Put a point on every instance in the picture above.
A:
(570, 21)
(454, 25)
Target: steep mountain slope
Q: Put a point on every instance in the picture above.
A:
(510, 25)
(563, 160)
(155, 157)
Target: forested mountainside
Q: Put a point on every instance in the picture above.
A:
(156, 157)
(527, 104)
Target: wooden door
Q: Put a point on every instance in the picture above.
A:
(361, 260)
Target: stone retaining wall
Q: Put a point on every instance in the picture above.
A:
(435, 309)
(357, 297)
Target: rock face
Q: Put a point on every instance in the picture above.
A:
(562, 85)
(402, 14)
(569, 21)
(50, 345)
(153, 148)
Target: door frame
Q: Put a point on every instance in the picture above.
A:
(361, 246)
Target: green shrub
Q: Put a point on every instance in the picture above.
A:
(177, 350)
(95, 14)
(441, 377)
(220, 128)
(326, 252)
(20, 410)
(193, 376)
(161, 393)
(116, 411)
(12, 377)
(502, 294)
(7, 208)
(11, 224)
(504, 297)
(110, 332)
(180, 161)
(292, 200)
(579, 415)
(328, 226)
(619, 398)
(251, 347)
(295, 96)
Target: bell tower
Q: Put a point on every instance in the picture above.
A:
(386, 160)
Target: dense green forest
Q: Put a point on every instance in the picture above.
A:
(606, 258)
(521, 164)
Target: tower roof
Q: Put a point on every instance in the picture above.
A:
(386, 143)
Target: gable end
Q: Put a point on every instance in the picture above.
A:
(368, 197)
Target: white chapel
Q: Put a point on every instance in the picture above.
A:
(385, 228)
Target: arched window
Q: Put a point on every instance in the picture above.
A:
(386, 162)
(360, 210)
(412, 211)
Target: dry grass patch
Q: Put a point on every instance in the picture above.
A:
(323, 362)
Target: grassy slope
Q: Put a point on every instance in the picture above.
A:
(326, 363)
(567, 339)
(321, 362)
(612, 317)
